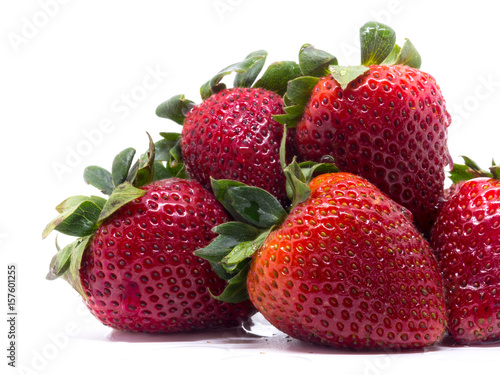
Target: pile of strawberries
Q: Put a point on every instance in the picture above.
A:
(313, 193)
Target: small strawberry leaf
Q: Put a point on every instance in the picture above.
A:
(230, 235)
(60, 262)
(220, 189)
(409, 56)
(311, 169)
(99, 178)
(247, 78)
(296, 186)
(78, 218)
(164, 146)
(175, 109)
(299, 90)
(346, 74)
(214, 85)
(291, 117)
(145, 170)
(277, 76)
(160, 171)
(242, 251)
(393, 56)
(72, 274)
(122, 195)
(461, 172)
(314, 62)
(495, 170)
(467, 171)
(236, 290)
(377, 42)
(256, 206)
(121, 166)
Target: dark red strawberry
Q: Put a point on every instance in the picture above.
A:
(232, 133)
(466, 238)
(346, 268)
(134, 262)
(385, 120)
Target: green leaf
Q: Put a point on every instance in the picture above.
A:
(214, 86)
(121, 166)
(163, 146)
(291, 117)
(237, 230)
(277, 76)
(72, 275)
(299, 90)
(122, 195)
(78, 217)
(256, 206)
(247, 78)
(495, 170)
(169, 150)
(467, 171)
(297, 187)
(220, 189)
(99, 178)
(61, 261)
(409, 55)
(175, 108)
(377, 42)
(460, 173)
(145, 170)
(242, 251)
(311, 169)
(236, 290)
(346, 74)
(160, 171)
(230, 235)
(282, 149)
(99, 201)
(314, 62)
(393, 56)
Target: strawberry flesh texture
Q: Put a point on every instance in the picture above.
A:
(140, 274)
(348, 269)
(466, 238)
(231, 135)
(388, 126)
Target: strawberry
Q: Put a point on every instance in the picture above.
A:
(345, 268)
(231, 134)
(466, 239)
(385, 120)
(133, 263)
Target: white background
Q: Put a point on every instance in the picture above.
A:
(80, 81)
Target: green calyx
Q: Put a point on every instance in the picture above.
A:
(378, 47)
(80, 216)
(275, 78)
(470, 169)
(257, 213)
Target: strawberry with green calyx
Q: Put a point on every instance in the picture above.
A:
(231, 134)
(384, 120)
(466, 239)
(133, 262)
(345, 267)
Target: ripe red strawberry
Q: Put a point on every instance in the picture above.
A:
(384, 121)
(466, 238)
(232, 133)
(135, 266)
(346, 268)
